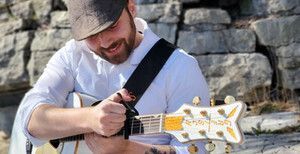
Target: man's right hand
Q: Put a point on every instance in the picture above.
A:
(108, 116)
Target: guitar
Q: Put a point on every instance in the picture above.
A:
(189, 123)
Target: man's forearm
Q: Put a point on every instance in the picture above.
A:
(49, 122)
(136, 147)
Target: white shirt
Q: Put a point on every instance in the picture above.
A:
(76, 68)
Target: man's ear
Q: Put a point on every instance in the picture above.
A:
(131, 7)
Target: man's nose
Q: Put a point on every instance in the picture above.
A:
(104, 39)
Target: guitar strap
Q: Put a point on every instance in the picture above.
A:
(144, 74)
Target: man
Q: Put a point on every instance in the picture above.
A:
(109, 44)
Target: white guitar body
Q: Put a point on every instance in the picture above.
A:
(188, 123)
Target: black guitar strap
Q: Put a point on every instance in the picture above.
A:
(144, 74)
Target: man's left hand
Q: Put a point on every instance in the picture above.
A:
(102, 145)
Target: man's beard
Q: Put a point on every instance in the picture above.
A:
(125, 48)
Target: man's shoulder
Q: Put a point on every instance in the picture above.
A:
(180, 58)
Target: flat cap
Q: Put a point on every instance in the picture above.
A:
(89, 17)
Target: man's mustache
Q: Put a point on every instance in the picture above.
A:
(112, 46)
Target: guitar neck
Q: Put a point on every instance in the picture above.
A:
(139, 125)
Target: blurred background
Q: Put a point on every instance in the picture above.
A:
(249, 49)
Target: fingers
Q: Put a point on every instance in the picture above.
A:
(112, 117)
(113, 107)
(120, 95)
(110, 132)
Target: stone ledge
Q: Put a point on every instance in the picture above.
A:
(270, 122)
(264, 144)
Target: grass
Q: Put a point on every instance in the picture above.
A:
(263, 101)
(287, 129)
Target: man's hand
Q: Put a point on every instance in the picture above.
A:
(101, 145)
(108, 117)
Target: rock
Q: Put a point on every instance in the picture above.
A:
(42, 10)
(171, 13)
(266, 7)
(213, 16)
(7, 116)
(290, 78)
(150, 12)
(59, 5)
(13, 26)
(11, 98)
(166, 13)
(277, 32)
(23, 40)
(234, 40)
(14, 53)
(148, 1)
(59, 19)
(235, 74)
(23, 10)
(288, 56)
(52, 39)
(166, 31)
(264, 144)
(37, 63)
(203, 27)
(240, 40)
(270, 122)
(277, 6)
(270, 143)
(202, 43)
(289, 65)
(189, 1)
(4, 15)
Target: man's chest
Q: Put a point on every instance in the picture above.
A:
(101, 81)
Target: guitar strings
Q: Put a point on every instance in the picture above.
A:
(152, 123)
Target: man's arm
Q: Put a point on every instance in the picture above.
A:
(99, 144)
(150, 149)
(107, 118)
(50, 122)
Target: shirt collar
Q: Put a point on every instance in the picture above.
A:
(141, 50)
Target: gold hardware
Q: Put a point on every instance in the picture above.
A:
(185, 135)
(212, 102)
(187, 111)
(197, 101)
(202, 132)
(193, 149)
(228, 148)
(210, 146)
(220, 133)
(229, 99)
(203, 113)
(221, 111)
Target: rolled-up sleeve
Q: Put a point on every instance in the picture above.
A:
(187, 82)
(52, 88)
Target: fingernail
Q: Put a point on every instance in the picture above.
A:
(133, 97)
